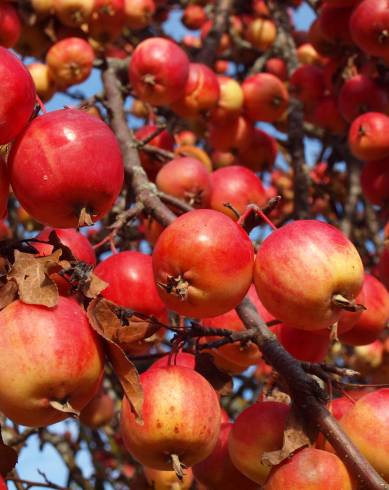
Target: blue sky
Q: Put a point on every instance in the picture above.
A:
(47, 460)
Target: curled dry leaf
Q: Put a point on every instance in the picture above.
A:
(31, 274)
(93, 286)
(101, 314)
(295, 437)
(8, 458)
(219, 380)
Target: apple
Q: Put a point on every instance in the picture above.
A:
(53, 358)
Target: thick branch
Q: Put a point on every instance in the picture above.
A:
(145, 191)
(220, 25)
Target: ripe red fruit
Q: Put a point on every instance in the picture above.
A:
(63, 175)
(261, 33)
(302, 344)
(375, 181)
(374, 319)
(3, 486)
(158, 71)
(300, 270)
(164, 140)
(130, 281)
(334, 24)
(277, 67)
(194, 16)
(369, 25)
(99, 411)
(181, 415)
(258, 429)
(310, 468)
(10, 25)
(73, 13)
(261, 152)
(201, 92)
(186, 178)
(383, 267)
(138, 13)
(196, 273)
(52, 355)
(326, 115)
(367, 136)
(17, 98)
(366, 423)
(265, 97)
(70, 61)
(238, 186)
(232, 135)
(307, 83)
(217, 471)
(360, 94)
(107, 20)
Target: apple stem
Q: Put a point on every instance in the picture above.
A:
(177, 466)
(41, 104)
(266, 219)
(176, 286)
(64, 407)
(341, 302)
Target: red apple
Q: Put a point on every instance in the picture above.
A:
(307, 83)
(265, 97)
(238, 186)
(10, 25)
(194, 16)
(181, 417)
(70, 61)
(310, 468)
(138, 13)
(99, 411)
(107, 20)
(360, 94)
(52, 355)
(375, 181)
(369, 25)
(217, 471)
(366, 423)
(261, 33)
(167, 480)
(301, 269)
(175, 359)
(258, 429)
(186, 178)
(367, 136)
(232, 135)
(59, 171)
(197, 275)
(261, 153)
(159, 71)
(73, 13)
(17, 99)
(230, 103)
(374, 319)
(201, 92)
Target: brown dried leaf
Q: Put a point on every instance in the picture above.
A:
(32, 277)
(104, 321)
(8, 293)
(295, 437)
(219, 380)
(8, 458)
(54, 240)
(93, 286)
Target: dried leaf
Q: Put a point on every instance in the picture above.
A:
(32, 277)
(8, 458)
(295, 437)
(93, 287)
(8, 293)
(104, 321)
(219, 380)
